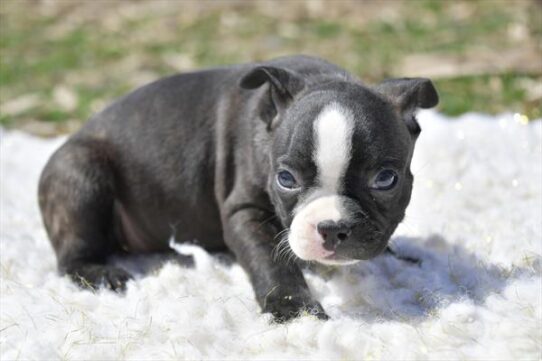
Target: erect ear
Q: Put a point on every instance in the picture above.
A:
(283, 85)
(408, 95)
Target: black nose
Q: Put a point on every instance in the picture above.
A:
(333, 233)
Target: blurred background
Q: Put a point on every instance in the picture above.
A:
(62, 60)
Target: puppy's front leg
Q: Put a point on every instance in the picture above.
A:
(280, 287)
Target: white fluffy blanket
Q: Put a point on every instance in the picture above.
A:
(475, 220)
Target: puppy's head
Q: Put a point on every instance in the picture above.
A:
(340, 159)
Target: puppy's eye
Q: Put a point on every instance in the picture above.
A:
(385, 180)
(286, 180)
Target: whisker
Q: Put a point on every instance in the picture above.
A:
(281, 233)
(278, 249)
(286, 251)
(281, 251)
(418, 171)
(291, 257)
(288, 254)
(409, 226)
(267, 220)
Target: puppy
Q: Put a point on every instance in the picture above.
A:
(295, 151)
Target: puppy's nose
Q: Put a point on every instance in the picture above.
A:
(333, 233)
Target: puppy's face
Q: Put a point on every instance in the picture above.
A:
(340, 175)
(341, 179)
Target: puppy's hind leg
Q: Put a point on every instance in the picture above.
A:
(76, 196)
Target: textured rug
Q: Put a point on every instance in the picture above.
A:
(475, 221)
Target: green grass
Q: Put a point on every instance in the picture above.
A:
(465, 94)
(100, 61)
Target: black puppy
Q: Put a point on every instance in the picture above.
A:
(237, 157)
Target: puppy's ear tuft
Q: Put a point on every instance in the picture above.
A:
(283, 85)
(408, 95)
(284, 81)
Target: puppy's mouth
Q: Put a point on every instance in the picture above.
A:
(310, 246)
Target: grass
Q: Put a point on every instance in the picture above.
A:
(96, 52)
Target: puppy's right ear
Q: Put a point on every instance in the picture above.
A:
(282, 86)
(408, 95)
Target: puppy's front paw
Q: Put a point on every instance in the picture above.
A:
(96, 276)
(286, 307)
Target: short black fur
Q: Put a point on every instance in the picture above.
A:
(194, 156)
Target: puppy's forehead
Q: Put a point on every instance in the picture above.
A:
(330, 130)
(333, 130)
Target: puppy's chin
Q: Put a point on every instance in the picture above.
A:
(314, 252)
(337, 261)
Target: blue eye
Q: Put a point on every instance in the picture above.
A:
(385, 180)
(286, 180)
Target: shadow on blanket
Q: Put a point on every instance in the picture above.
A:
(389, 289)
(383, 289)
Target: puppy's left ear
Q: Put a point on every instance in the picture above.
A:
(408, 95)
(282, 86)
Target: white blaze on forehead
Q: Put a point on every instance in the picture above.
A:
(333, 131)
